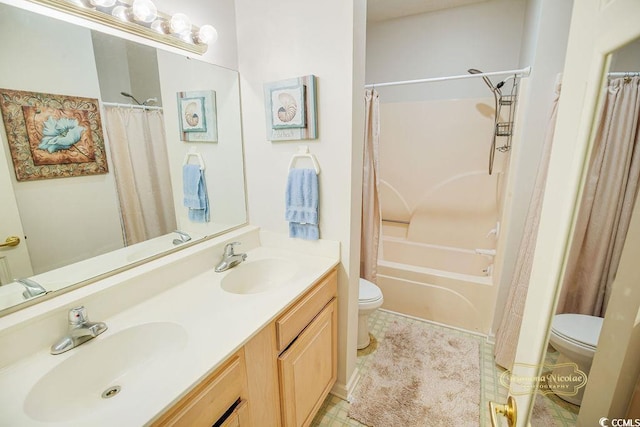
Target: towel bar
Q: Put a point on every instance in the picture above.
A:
(303, 151)
(193, 152)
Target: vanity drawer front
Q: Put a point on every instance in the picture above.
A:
(209, 401)
(239, 417)
(289, 326)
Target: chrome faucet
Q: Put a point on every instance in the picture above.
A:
(182, 237)
(80, 331)
(230, 259)
(32, 288)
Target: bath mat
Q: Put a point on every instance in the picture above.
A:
(420, 376)
(541, 416)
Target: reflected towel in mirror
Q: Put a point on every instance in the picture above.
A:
(194, 188)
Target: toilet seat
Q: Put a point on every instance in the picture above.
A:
(368, 292)
(579, 329)
(568, 341)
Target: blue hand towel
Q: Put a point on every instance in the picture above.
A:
(304, 231)
(195, 193)
(302, 204)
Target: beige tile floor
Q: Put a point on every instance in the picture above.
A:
(333, 412)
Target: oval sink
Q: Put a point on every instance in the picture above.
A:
(11, 294)
(75, 387)
(252, 277)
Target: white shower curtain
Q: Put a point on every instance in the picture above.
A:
(139, 158)
(371, 217)
(509, 330)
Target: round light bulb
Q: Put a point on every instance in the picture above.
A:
(120, 12)
(207, 34)
(180, 23)
(103, 3)
(158, 26)
(144, 11)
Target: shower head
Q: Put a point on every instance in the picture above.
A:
(486, 79)
(499, 85)
(128, 95)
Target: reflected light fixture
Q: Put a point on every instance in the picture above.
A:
(102, 3)
(207, 35)
(144, 11)
(179, 24)
(142, 18)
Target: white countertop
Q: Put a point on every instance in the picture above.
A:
(217, 323)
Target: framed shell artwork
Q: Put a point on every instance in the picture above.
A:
(197, 116)
(290, 107)
(53, 136)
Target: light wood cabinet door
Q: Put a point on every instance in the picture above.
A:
(308, 368)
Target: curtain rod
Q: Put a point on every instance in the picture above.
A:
(142, 107)
(624, 74)
(523, 72)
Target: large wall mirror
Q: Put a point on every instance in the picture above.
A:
(76, 228)
(597, 305)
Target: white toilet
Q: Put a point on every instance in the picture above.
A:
(369, 300)
(575, 336)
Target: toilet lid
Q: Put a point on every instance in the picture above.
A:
(578, 327)
(368, 291)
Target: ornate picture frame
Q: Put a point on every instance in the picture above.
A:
(53, 136)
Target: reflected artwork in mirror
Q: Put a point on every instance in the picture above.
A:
(75, 229)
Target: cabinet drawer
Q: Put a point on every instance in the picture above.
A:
(238, 418)
(204, 405)
(297, 318)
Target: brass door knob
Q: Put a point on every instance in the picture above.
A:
(10, 241)
(509, 411)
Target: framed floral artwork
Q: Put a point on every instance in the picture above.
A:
(197, 116)
(53, 136)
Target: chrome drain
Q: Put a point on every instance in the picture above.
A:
(111, 391)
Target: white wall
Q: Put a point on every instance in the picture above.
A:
(126, 67)
(627, 58)
(544, 50)
(288, 38)
(62, 218)
(113, 67)
(485, 36)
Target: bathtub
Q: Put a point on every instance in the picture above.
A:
(447, 285)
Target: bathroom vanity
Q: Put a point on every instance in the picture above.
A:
(292, 366)
(255, 345)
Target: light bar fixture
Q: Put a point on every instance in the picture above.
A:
(141, 18)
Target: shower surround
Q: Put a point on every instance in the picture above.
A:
(440, 210)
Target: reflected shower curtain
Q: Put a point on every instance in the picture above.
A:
(607, 203)
(509, 329)
(371, 217)
(141, 167)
